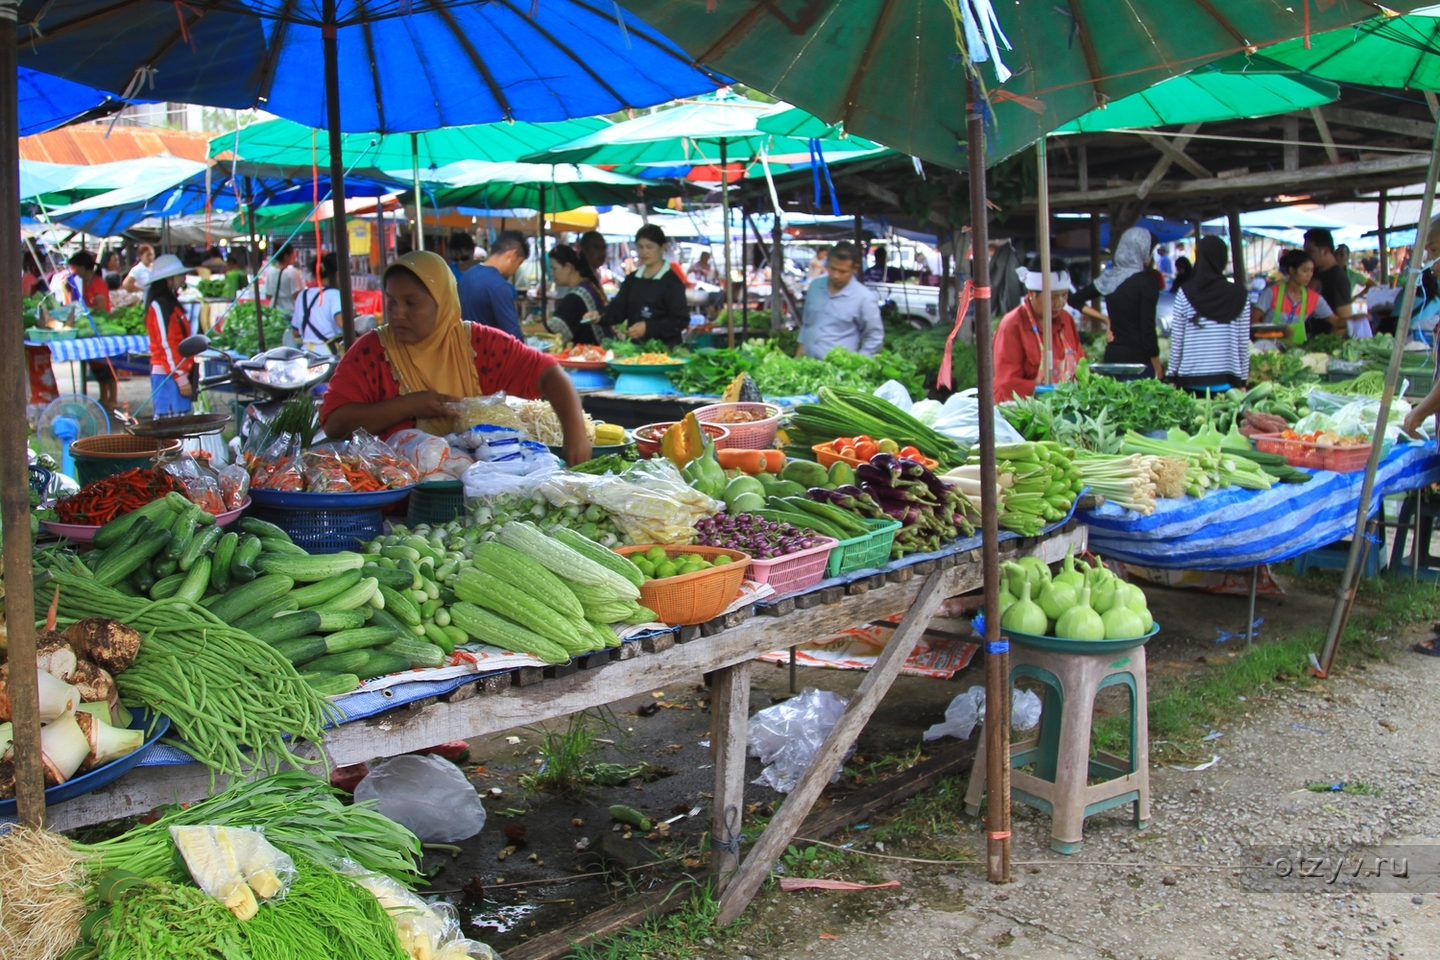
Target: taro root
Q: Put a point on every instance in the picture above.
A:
(63, 748)
(93, 683)
(55, 656)
(108, 643)
(106, 742)
(7, 779)
(56, 696)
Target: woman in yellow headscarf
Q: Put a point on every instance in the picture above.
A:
(424, 358)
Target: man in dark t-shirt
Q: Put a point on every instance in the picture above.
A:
(1331, 278)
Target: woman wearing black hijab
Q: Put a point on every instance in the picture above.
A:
(1184, 273)
(1210, 325)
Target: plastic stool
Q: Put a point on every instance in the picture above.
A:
(1336, 555)
(1060, 750)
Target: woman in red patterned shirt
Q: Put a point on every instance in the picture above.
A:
(425, 358)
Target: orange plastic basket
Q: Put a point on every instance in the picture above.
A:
(648, 437)
(693, 597)
(825, 453)
(745, 435)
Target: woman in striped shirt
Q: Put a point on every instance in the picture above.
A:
(1209, 324)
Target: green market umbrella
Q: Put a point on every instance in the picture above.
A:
(893, 70)
(1205, 96)
(538, 186)
(1399, 52)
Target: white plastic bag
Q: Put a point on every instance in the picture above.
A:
(427, 451)
(968, 709)
(894, 392)
(427, 794)
(498, 478)
(960, 420)
(786, 736)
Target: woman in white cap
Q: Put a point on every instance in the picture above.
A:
(167, 324)
(1019, 340)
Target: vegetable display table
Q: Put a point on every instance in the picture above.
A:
(93, 348)
(725, 647)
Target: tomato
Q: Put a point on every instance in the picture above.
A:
(865, 438)
(842, 442)
(843, 446)
(865, 449)
(910, 453)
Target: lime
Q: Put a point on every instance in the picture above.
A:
(719, 560)
(656, 555)
(666, 569)
(645, 566)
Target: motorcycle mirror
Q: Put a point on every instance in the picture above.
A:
(194, 345)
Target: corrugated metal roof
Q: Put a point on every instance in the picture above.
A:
(86, 143)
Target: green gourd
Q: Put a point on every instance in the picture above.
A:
(1122, 623)
(1068, 571)
(1106, 594)
(1057, 597)
(1080, 622)
(1025, 615)
(1035, 571)
(1138, 604)
(1007, 599)
(1015, 576)
(1097, 574)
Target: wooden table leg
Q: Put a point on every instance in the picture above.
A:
(729, 719)
(827, 760)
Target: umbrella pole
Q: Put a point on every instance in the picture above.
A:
(14, 470)
(1384, 246)
(380, 230)
(744, 272)
(997, 656)
(1349, 580)
(725, 207)
(417, 236)
(1042, 229)
(540, 241)
(255, 254)
(339, 225)
(777, 274)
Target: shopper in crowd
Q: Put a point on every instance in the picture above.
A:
(1209, 324)
(139, 276)
(282, 282)
(462, 253)
(1331, 280)
(840, 311)
(1130, 298)
(879, 273)
(577, 312)
(1163, 263)
(86, 285)
(167, 325)
(1184, 270)
(1359, 280)
(316, 322)
(818, 267)
(1291, 303)
(486, 296)
(650, 304)
(703, 269)
(1020, 339)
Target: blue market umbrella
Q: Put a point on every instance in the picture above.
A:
(47, 102)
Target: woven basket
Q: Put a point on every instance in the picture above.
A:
(108, 454)
(748, 435)
(694, 597)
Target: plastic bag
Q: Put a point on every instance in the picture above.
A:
(427, 930)
(786, 736)
(235, 865)
(650, 502)
(490, 408)
(486, 479)
(390, 469)
(428, 795)
(279, 466)
(959, 420)
(234, 486)
(202, 485)
(428, 453)
(968, 709)
(324, 472)
(894, 392)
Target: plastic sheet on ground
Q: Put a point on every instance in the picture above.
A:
(1242, 528)
(786, 736)
(939, 658)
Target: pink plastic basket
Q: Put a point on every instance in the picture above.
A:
(1301, 453)
(794, 571)
(748, 435)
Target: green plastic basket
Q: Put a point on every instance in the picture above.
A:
(439, 501)
(865, 552)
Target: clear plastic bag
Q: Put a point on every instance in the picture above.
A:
(278, 466)
(428, 453)
(427, 794)
(202, 485)
(490, 408)
(650, 502)
(959, 420)
(786, 736)
(968, 709)
(234, 485)
(389, 468)
(488, 479)
(235, 865)
(324, 472)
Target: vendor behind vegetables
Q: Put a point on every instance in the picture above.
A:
(424, 359)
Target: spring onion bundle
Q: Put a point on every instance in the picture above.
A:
(1125, 481)
(221, 688)
(1210, 464)
(1039, 480)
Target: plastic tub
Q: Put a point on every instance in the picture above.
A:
(1302, 453)
(694, 597)
(865, 552)
(826, 455)
(795, 571)
(747, 435)
(108, 454)
(647, 438)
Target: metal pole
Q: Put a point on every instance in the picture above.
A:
(1349, 580)
(14, 463)
(744, 272)
(725, 208)
(340, 225)
(1042, 229)
(540, 239)
(777, 275)
(997, 657)
(1384, 245)
(417, 235)
(1095, 251)
(255, 253)
(380, 232)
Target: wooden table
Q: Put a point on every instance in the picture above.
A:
(725, 647)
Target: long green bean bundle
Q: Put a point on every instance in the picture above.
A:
(176, 921)
(222, 689)
(298, 810)
(324, 916)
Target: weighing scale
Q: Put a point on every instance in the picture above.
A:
(1120, 371)
(589, 374)
(646, 379)
(1268, 331)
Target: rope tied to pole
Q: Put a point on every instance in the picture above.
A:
(967, 293)
(731, 843)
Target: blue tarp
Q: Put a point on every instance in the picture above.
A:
(47, 102)
(1241, 528)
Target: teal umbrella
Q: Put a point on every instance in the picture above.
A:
(538, 186)
(1205, 96)
(1387, 51)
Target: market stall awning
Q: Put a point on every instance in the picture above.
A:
(47, 102)
(892, 70)
(1387, 51)
(286, 146)
(162, 186)
(565, 185)
(1207, 95)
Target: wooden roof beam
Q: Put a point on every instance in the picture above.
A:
(1377, 122)
(1325, 138)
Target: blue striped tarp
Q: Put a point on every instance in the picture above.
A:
(93, 348)
(1242, 528)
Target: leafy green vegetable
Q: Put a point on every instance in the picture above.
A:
(1140, 405)
(1284, 368)
(239, 334)
(778, 374)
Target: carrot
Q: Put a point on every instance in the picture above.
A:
(751, 461)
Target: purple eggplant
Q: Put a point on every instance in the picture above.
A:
(887, 462)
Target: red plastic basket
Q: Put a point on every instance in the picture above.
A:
(1302, 453)
(795, 571)
(748, 434)
(825, 454)
(648, 437)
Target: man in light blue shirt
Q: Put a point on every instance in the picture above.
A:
(840, 311)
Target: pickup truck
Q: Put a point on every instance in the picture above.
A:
(919, 305)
